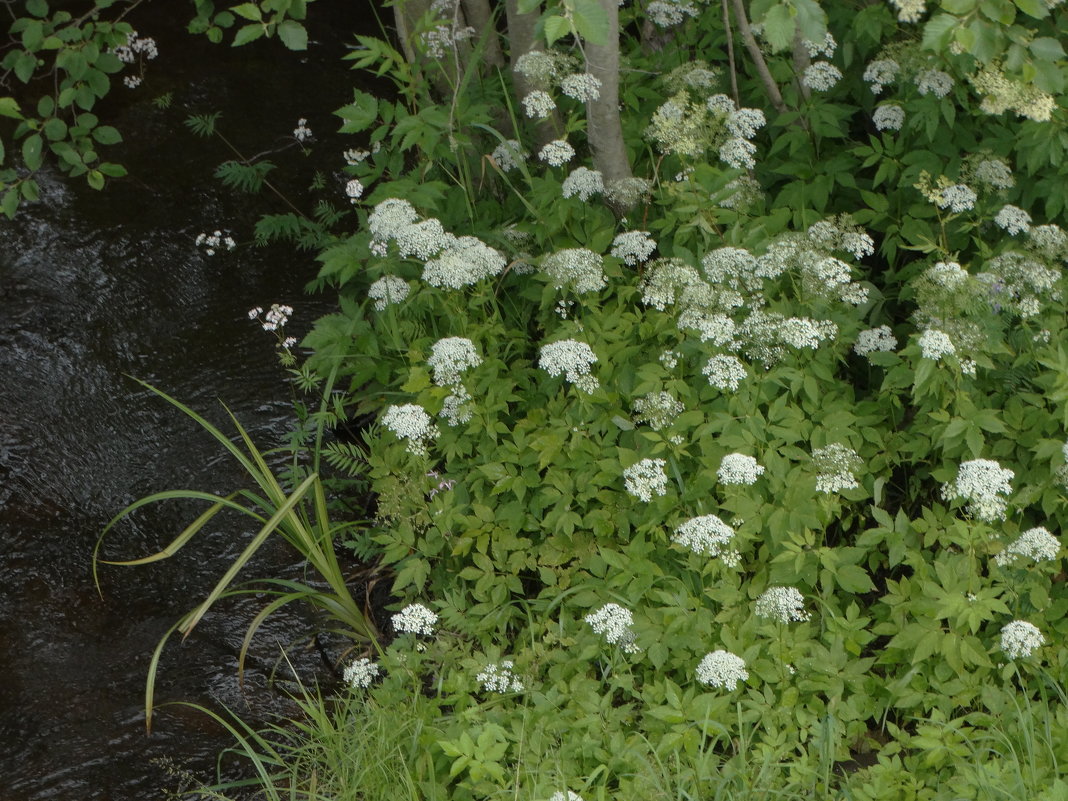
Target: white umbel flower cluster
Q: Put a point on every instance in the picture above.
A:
(957, 198)
(615, 624)
(821, 76)
(633, 247)
(836, 465)
(387, 290)
(578, 269)
(725, 372)
(737, 468)
(935, 344)
(581, 86)
(411, 422)
(466, 263)
(571, 359)
(1035, 543)
(985, 485)
(934, 82)
(557, 153)
(450, 357)
(874, 340)
(1013, 220)
(415, 619)
(888, 117)
(657, 409)
(784, 604)
(559, 796)
(646, 478)
(745, 122)
(709, 536)
(880, 73)
(722, 669)
(509, 154)
(361, 673)
(496, 678)
(538, 104)
(389, 217)
(1021, 639)
(583, 182)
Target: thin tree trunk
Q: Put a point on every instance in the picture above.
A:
(479, 17)
(521, 38)
(603, 127)
(772, 88)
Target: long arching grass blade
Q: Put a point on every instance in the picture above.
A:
(257, 621)
(283, 512)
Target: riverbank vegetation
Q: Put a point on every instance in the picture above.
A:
(705, 365)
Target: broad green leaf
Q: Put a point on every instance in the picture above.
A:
(779, 27)
(293, 35)
(37, 8)
(1047, 49)
(591, 21)
(246, 34)
(107, 135)
(31, 151)
(9, 107)
(528, 6)
(10, 204)
(811, 20)
(55, 129)
(112, 170)
(936, 31)
(25, 65)
(959, 7)
(555, 28)
(249, 11)
(1033, 8)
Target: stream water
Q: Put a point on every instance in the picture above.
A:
(99, 286)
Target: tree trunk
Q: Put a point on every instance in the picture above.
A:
(603, 126)
(479, 17)
(521, 38)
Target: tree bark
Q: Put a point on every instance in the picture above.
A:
(603, 127)
(479, 17)
(521, 38)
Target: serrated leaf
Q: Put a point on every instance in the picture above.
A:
(936, 31)
(293, 35)
(556, 27)
(249, 11)
(1047, 48)
(9, 107)
(246, 34)
(591, 21)
(779, 27)
(1033, 8)
(25, 65)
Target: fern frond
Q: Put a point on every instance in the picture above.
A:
(243, 177)
(203, 124)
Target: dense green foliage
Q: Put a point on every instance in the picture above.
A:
(823, 351)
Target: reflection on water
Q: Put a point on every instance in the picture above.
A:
(95, 287)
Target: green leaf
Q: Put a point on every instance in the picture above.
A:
(959, 7)
(528, 6)
(95, 179)
(1033, 8)
(1047, 49)
(591, 21)
(779, 27)
(30, 190)
(37, 8)
(293, 35)
(10, 204)
(9, 107)
(246, 34)
(25, 65)
(112, 170)
(31, 151)
(853, 578)
(249, 11)
(55, 129)
(360, 114)
(107, 135)
(556, 27)
(936, 31)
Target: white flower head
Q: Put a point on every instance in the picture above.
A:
(450, 357)
(559, 796)
(934, 82)
(354, 189)
(820, 76)
(361, 673)
(1020, 639)
(1013, 220)
(707, 535)
(646, 478)
(725, 372)
(571, 359)
(387, 290)
(415, 619)
(538, 104)
(910, 10)
(738, 153)
(888, 117)
(411, 422)
(557, 153)
(935, 344)
(508, 155)
(389, 217)
(657, 409)
(466, 262)
(581, 86)
(583, 182)
(957, 198)
(875, 340)
(422, 240)
(722, 669)
(500, 678)
(737, 468)
(633, 247)
(995, 173)
(985, 485)
(745, 122)
(1035, 543)
(615, 624)
(784, 604)
(880, 73)
(576, 268)
(836, 465)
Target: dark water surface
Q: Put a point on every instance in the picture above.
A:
(94, 286)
